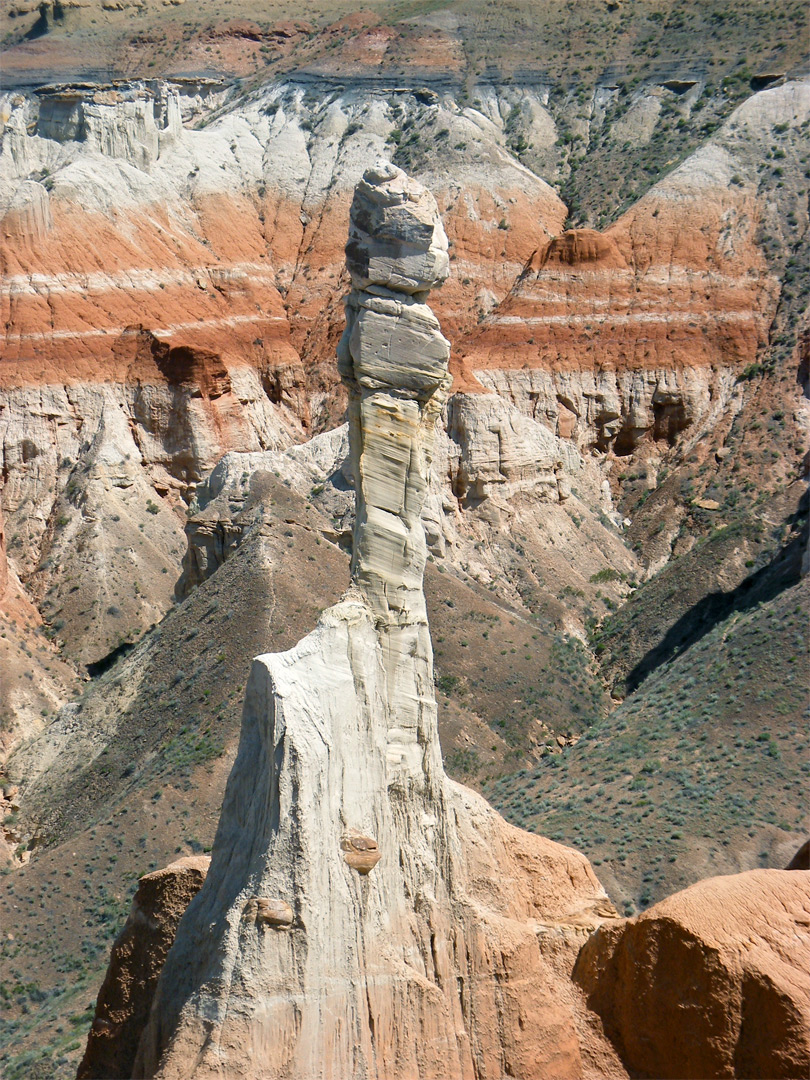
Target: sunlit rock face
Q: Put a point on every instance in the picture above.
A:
(365, 917)
(393, 359)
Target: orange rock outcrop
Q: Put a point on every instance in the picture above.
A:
(672, 284)
(711, 982)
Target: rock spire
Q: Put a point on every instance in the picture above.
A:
(393, 359)
(363, 916)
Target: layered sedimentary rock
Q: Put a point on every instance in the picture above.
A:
(712, 981)
(113, 212)
(164, 263)
(191, 280)
(158, 267)
(364, 916)
(125, 998)
(638, 334)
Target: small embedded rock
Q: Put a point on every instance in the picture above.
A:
(360, 852)
(266, 911)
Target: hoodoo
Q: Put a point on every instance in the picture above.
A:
(364, 916)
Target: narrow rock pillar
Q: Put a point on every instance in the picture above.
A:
(393, 359)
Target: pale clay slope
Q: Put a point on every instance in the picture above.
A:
(264, 139)
(494, 473)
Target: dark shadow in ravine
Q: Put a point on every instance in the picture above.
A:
(782, 572)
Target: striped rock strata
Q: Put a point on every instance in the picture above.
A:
(423, 937)
(190, 280)
(637, 336)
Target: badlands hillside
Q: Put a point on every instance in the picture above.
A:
(616, 518)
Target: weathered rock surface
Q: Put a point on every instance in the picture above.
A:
(494, 470)
(427, 938)
(393, 359)
(99, 475)
(137, 957)
(711, 982)
(396, 238)
(157, 267)
(501, 451)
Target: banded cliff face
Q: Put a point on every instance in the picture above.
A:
(117, 215)
(346, 865)
(636, 333)
(172, 293)
(225, 243)
(640, 333)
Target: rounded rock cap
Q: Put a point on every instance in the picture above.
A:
(381, 171)
(396, 237)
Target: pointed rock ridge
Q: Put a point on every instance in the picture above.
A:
(365, 917)
(137, 956)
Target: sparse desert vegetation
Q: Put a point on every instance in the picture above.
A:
(620, 634)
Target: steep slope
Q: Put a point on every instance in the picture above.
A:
(130, 775)
(148, 745)
(701, 771)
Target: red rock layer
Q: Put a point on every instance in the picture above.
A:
(239, 281)
(673, 283)
(72, 290)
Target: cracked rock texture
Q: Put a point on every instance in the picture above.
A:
(450, 956)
